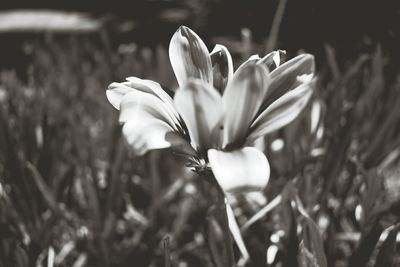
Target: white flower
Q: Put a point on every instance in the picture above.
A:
(216, 114)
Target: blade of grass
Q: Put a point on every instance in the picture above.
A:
(387, 252)
(237, 236)
(312, 236)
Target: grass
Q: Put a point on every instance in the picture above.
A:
(72, 194)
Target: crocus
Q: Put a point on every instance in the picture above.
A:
(216, 114)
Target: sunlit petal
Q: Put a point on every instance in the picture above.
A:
(189, 57)
(222, 67)
(142, 105)
(146, 134)
(152, 87)
(116, 91)
(240, 170)
(250, 61)
(284, 78)
(242, 100)
(281, 112)
(200, 106)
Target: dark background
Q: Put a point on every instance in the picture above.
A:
(349, 26)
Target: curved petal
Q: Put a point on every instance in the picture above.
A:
(239, 170)
(199, 104)
(250, 61)
(116, 91)
(222, 67)
(242, 100)
(146, 134)
(281, 112)
(284, 78)
(140, 105)
(154, 88)
(189, 57)
(273, 60)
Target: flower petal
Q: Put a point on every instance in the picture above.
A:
(154, 88)
(238, 170)
(242, 100)
(250, 61)
(189, 57)
(200, 106)
(146, 134)
(281, 112)
(140, 105)
(273, 60)
(222, 67)
(116, 91)
(284, 78)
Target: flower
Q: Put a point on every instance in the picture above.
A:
(216, 114)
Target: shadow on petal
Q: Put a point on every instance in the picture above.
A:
(154, 88)
(180, 144)
(144, 135)
(242, 100)
(200, 106)
(284, 78)
(189, 57)
(281, 112)
(222, 67)
(139, 105)
(273, 60)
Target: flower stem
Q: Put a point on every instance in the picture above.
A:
(220, 237)
(223, 221)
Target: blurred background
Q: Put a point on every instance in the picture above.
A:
(350, 26)
(72, 193)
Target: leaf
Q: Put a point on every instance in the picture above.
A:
(21, 258)
(373, 201)
(234, 227)
(387, 253)
(292, 243)
(306, 258)
(167, 256)
(366, 246)
(42, 186)
(283, 197)
(263, 212)
(312, 236)
(216, 242)
(218, 233)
